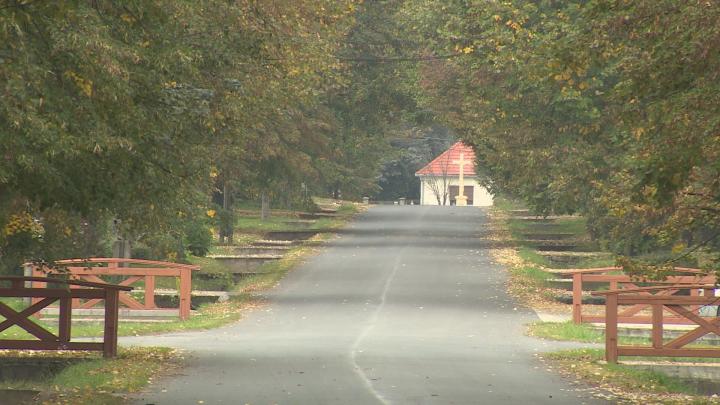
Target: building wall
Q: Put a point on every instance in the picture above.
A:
(481, 197)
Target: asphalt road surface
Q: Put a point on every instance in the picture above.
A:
(404, 307)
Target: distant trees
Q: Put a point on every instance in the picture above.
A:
(412, 148)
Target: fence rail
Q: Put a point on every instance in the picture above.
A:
(633, 314)
(43, 297)
(680, 305)
(135, 271)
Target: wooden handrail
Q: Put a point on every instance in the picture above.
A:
(684, 276)
(584, 271)
(690, 270)
(68, 282)
(129, 261)
(609, 269)
(678, 305)
(46, 340)
(138, 270)
(654, 288)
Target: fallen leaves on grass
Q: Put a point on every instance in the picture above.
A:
(617, 384)
(525, 289)
(229, 309)
(90, 379)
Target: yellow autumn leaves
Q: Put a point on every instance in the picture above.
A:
(84, 85)
(23, 223)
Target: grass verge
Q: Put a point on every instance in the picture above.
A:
(625, 383)
(569, 331)
(565, 331)
(570, 225)
(584, 333)
(90, 379)
(531, 256)
(283, 221)
(254, 224)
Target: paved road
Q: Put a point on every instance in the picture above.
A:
(405, 307)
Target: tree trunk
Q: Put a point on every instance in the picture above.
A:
(226, 230)
(264, 206)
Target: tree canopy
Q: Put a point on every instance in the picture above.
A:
(604, 107)
(139, 111)
(132, 110)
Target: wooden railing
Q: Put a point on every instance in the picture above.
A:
(45, 296)
(615, 281)
(135, 271)
(679, 305)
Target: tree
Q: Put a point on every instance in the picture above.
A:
(119, 110)
(600, 107)
(439, 183)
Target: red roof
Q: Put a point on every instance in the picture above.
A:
(445, 163)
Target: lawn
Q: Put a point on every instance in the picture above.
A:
(628, 384)
(283, 221)
(90, 379)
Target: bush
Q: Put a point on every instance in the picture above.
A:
(198, 238)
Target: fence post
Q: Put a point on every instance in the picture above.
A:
(185, 293)
(611, 306)
(150, 292)
(28, 272)
(657, 326)
(35, 272)
(110, 336)
(64, 319)
(694, 292)
(577, 298)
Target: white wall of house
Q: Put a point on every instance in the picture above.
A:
(481, 197)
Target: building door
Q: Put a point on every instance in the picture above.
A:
(468, 192)
(452, 193)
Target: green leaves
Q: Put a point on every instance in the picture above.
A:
(121, 109)
(607, 108)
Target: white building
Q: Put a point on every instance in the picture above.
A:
(440, 179)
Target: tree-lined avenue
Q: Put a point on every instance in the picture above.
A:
(405, 306)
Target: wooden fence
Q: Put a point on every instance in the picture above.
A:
(135, 271)
(45, 296)
(679, 305)
(616, 280)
